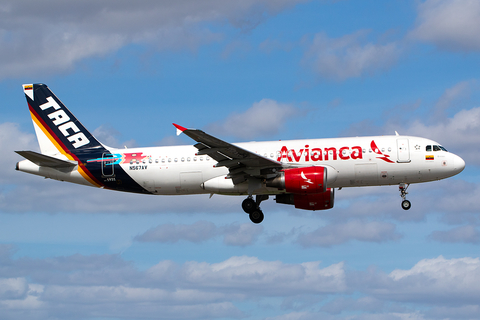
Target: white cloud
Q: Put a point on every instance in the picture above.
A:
(108, 136)
(271, 278)
(339, 233)
(52, 36)
(458, 132)
(233, 235)
(461, 132)
(197, 232)
(466, 234)
(296, 316)
(107, 286)
(241, 234)
(266, 117)
(451, 25)
(13, 288)
(349, 56)
(438, 280)
(339, 305)
(463, 312)
(13, 139)
(451, 97)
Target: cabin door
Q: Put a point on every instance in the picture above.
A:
(403, 150)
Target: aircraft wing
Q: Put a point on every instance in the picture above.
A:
(239, 161)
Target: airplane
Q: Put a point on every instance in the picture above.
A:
(302, 173)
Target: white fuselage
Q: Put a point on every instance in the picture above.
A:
(350, 162)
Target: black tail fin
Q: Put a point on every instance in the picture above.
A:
(57, 129)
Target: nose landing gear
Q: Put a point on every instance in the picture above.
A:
(252, 207)
(403, 193)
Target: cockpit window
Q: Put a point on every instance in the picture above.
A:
(435, 148)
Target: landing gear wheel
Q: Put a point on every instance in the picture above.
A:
(249, 205)
(406, 205)
(403, 193)
(257, 216)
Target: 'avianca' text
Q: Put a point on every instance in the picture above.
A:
(319, 154)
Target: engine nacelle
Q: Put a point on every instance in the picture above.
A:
(318, 201)
(308, 180)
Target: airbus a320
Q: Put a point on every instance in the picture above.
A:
(302, 173)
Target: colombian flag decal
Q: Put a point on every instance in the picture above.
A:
(429, 157)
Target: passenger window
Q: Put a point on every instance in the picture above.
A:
(428, 148)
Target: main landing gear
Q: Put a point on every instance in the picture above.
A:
(252, 207)
(403, 193)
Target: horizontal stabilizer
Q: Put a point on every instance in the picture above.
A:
(46, 161)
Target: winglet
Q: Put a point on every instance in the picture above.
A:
(180, 129)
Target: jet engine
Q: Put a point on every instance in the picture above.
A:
(301, 180)
(306, 188)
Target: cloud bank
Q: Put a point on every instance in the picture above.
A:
(53, 36)
(108, 286)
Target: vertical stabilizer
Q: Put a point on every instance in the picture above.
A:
(57, 129)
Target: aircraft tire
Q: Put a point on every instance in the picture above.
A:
(406, 205)
(256, 216)
(249, 205)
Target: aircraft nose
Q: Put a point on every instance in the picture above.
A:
(458, 163)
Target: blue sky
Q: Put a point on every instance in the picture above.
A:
(242, 70)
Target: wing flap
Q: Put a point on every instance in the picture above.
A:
(46, 161)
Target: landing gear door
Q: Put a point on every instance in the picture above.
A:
(403, 150)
